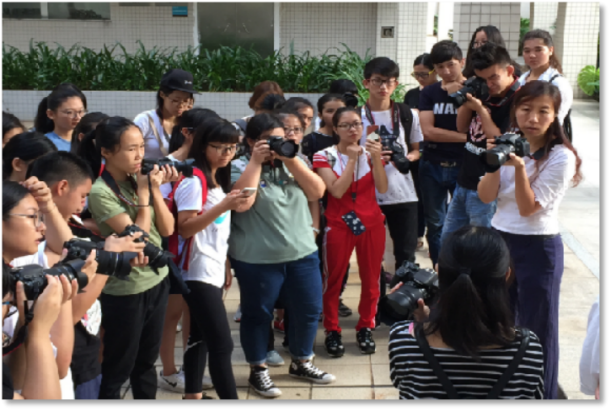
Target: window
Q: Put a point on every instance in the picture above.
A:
(59, 11)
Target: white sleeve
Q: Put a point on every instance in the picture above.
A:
(143, 123)
(566, 94)
(416, 134)
(188, 195)
(555, 176)
(589, 365)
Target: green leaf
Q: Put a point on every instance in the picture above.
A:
(589, 80)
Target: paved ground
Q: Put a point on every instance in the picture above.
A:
(367, 377)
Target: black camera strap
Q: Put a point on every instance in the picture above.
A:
(515, 86)
(112, 184)
(22, 334)
(396, 130)
(83, 232)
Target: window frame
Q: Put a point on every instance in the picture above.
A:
(44, 14)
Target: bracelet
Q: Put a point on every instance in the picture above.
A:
(316, 230)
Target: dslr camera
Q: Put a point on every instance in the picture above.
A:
(109, 263)
(389, 143)
(184, 167)
(475, 86)
(34, 277)
(285, 148)
(494, 158)
(417, 283)
(158, 258)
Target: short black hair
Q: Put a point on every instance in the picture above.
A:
(342, 85)
(425, 60)
(488, 55)
(382, 66)
(60, 165)
(445, 50)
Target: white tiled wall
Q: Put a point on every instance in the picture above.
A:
(543, 16)
(470, 16)
(575, 40)
(387, 16)
(154, 26)
(411, 38)
(130, 103)
(316, 27)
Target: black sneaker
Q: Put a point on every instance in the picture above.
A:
(344, 311)
(261, 382)
(307, 371)
(334, 345)
(365, 341)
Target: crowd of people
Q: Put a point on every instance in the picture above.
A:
(180, 201)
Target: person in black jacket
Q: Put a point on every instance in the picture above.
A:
(424, 73)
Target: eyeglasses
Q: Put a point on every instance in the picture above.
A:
(37, 218)
(74, 114)
(478, 44)
(422, 75)
(224, 149)
(288, 130)
(181, 103)
(345, 126)
(378, 82)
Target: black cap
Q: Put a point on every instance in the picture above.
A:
(177, 79)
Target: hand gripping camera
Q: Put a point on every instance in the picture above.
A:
(417, 283)
(109, 263)
(184, 167)
(474, 86)
(285, 148)
(158, 258)
(390, 143)
(34, 277)
(494, 158)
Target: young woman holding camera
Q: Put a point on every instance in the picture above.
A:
(470, 335)
(529, 192)
(21, 151)
(122, 196)
(285, 258)
(204, 218)
(352, 174)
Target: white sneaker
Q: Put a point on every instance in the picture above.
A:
(207, 383)
(238, 315)
(174, 382)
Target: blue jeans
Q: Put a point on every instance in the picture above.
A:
(436, 182)
(299, 286)
(466, 208)
(89, 390)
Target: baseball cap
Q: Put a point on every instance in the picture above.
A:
(177, 79)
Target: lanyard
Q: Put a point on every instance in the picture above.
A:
(514, 87)
(355, 183)
(82, 232)
(395, 117)
(112, 184)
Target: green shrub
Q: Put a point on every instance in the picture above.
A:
(221, 70)
(589, 80)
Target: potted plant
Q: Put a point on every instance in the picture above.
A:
(589, 81)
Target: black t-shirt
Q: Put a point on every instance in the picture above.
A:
(8, 392)
(412, 98)
(85, 365)
(434, 98)
(314, 142)
(472, 169)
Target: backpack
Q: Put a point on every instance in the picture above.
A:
(174, 240)
(567, 127)
(406, 117)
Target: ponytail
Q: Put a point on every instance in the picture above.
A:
(58, 96)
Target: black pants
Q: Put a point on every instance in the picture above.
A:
(402, 222)
(133, 326)
(414, 168)
(208, 324)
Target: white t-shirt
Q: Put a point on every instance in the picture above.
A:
(208, 251)
(589, 365)
(566, 91)
(151, 145)
(400, 186)
(549, 184)
(66, 383)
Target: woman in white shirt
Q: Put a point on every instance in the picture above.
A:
(174, 97)
(204, 218)
(538, 52)
(529, 192)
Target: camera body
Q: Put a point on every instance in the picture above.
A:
(390, 143)
(475, 86)
(285, 148)
(505, 144)
(417, 283)
(109, 263)
(34, 277)
(157, 257)
(184, 167)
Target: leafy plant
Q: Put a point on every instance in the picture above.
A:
(589, 80)
(524, 27)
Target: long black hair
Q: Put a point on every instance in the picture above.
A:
(12, 194)
(25, 146)
(338, 113)
(190, 119)
(547, 40)
(10, 122)
(58, 96)
(473, 309)
(258, 125)
(493, 35)
(108, 135)
(87, 124)
(213, 130)
(326, 99)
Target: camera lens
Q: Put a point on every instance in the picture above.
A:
(402, 303)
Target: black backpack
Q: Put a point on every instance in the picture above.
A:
(447, 384)
(567, 127)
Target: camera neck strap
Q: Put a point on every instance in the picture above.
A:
(22, 334)
(81, 231)
(515, 86)
(394, 108)
(538, 155)
(112, 184)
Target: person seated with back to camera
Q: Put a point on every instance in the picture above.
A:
(461, 346)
